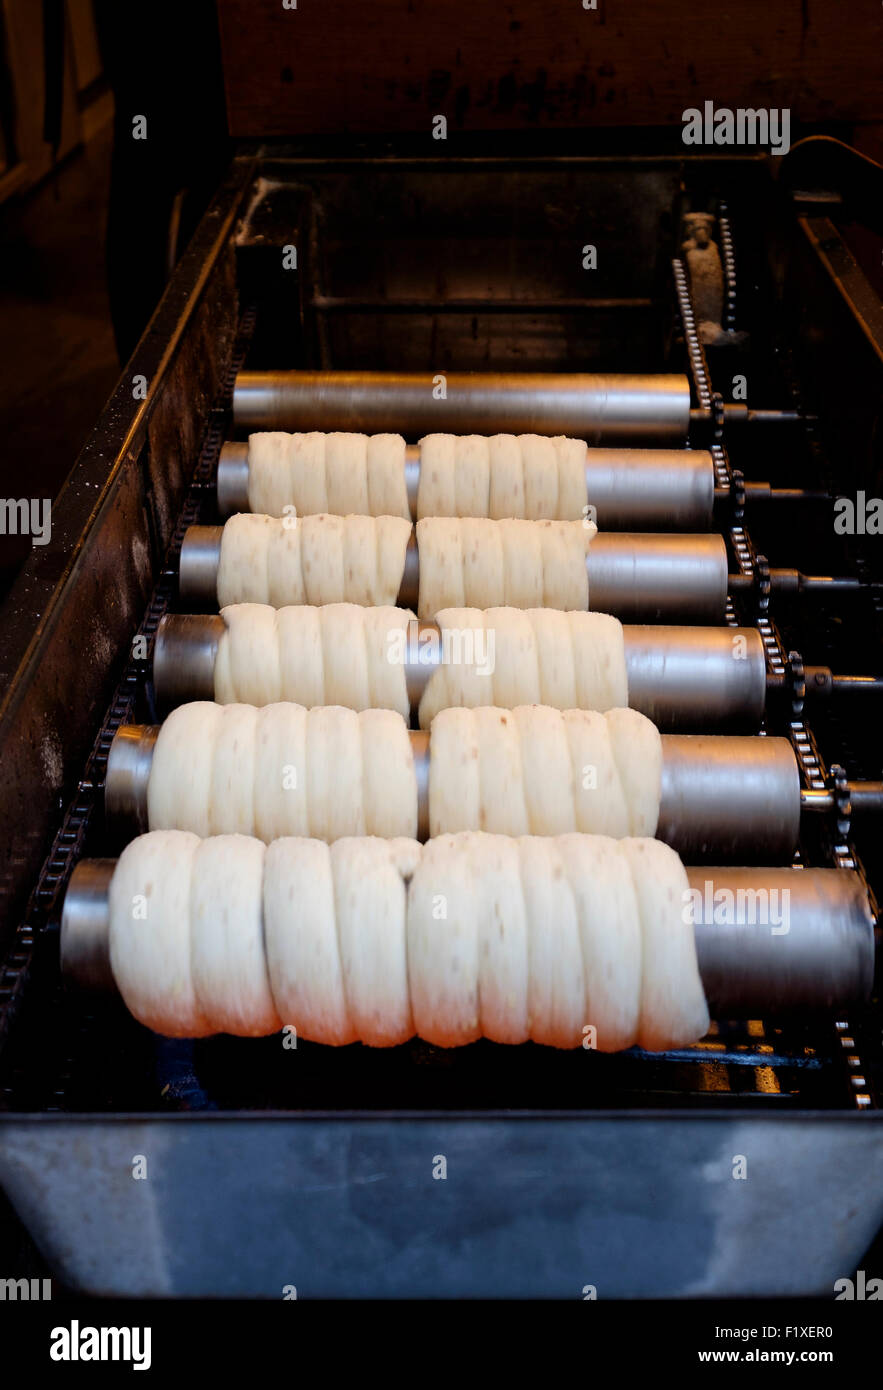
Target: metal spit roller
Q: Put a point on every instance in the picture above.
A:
(768, 941)
(602, 409)
(656, 489)
(680, 677)
(726, 797)
(638, 577)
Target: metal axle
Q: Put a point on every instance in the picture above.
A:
(602, 409)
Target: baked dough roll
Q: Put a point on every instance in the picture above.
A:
(539, 771)
(674, 1011)
(318, 559)
(340, 654)
(479, 563)
(149, 933)
(340, 473)
(227, 957)
(283, 770)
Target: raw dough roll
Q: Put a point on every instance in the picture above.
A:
(283, 770)
(335, 924)
(503, 476)
(341, 654)
(149, 917)
(567, 941)
(479, 563)
(343, 474)
(510, 656)
(540, 771)
(227, 958)
(319, 559)
(673, 1006)
(579, 938)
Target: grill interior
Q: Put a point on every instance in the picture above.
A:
(439, 270)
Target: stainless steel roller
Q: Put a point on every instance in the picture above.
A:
(727, 798)
(652, 489)
(638, 577)
(749, 966)
(680, 677)
(611, 409)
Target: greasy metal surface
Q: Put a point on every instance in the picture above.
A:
(774, 941)
(650, 578)
(128, 776)
(651, 489)
(184, 657)
(77, 600)
(232, 490)
(696, 678)
(730, 799)
(600, 409)
(409, 589)
(198, 570)
(85, 926)
(635, 1204)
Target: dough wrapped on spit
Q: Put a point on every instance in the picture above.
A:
(497, 476)
(474, 935)
(283, 770)
(475, 563)
(540, 771)
(509, 656)
(342, 654)
(342, 474)
(312, 559)
(501, 476)
(329, 772)
(472, 563)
